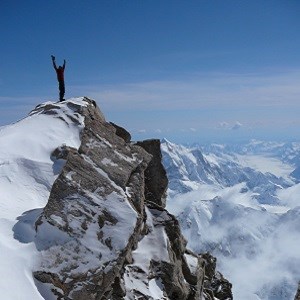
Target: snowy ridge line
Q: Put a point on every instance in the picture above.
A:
(25, 184)
(102, 229)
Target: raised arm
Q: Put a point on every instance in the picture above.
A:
(64, 65)
(53, 62)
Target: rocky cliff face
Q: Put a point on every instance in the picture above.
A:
(105, 233)
(297, 297)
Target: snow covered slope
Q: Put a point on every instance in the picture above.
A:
(26, 177)
(242, 208)
(83, 216)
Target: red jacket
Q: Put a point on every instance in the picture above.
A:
(60, 74)
(59, 71)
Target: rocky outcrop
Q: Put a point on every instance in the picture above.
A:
(167, 264)
(215, 285)
(105, 232)
(297, 297)
(121, 132)
(156, 180)
(93, 216)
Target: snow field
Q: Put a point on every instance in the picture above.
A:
(26, 176)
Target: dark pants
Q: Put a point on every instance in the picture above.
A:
(61, 90)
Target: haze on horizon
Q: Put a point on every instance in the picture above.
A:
(188, 71)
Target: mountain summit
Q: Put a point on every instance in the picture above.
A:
(91, 217)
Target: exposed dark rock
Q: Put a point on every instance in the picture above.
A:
(169, 265)
(90, 197)
(50, 109)
(215, 285)
(121, 132)
(105, 233)
(297, 297)
(156, 180)
(62, 152)
(118, 288)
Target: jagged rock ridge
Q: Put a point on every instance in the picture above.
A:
(105, 233)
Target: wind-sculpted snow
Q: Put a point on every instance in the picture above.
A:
(252, 227)
(27, 174)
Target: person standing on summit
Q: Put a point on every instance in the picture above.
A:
(60, 77)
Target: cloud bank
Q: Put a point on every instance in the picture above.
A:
(257, 251)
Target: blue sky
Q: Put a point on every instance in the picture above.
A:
(197, 70)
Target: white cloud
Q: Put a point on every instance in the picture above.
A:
(265, 103)
(258, 251)
(198, 100)
(223, 125)
(142, 131)
(193, 129)
(199, 91)
(290, 196)
(237, 125)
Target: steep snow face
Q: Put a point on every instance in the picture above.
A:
(26, 177)
(246, 214)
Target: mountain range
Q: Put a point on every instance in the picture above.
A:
(241, 203)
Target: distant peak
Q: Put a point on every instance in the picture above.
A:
(165, 141)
